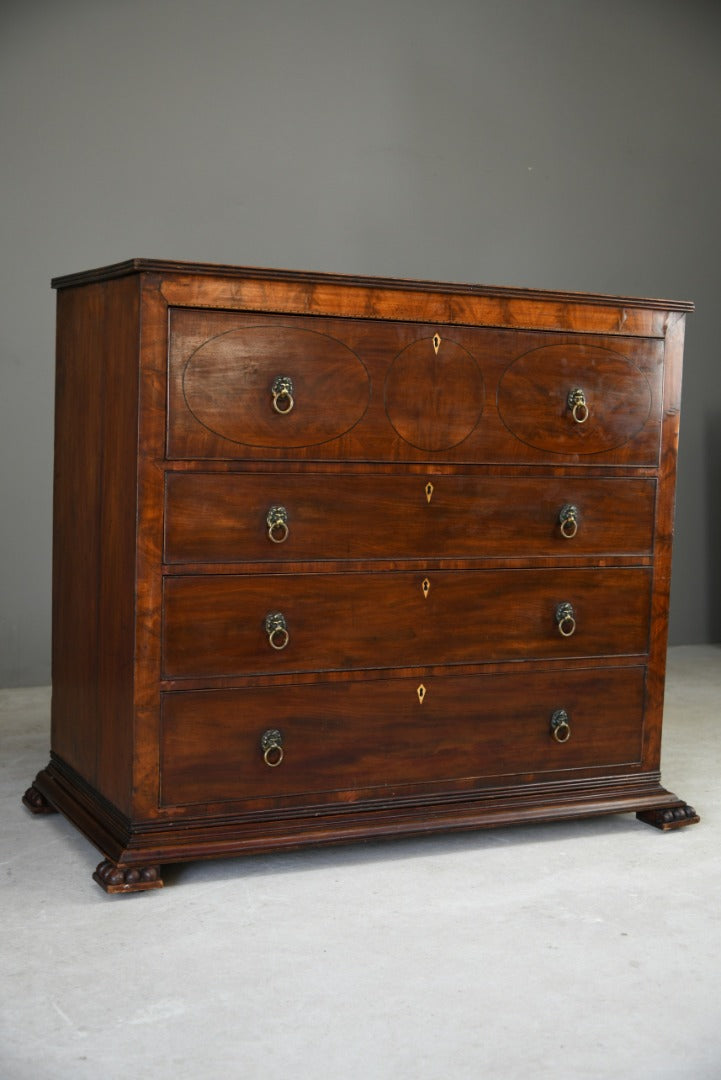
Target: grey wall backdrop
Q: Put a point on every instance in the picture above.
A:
(568, 144)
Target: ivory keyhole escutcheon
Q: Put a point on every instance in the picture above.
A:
(421, 691)
(436, 342)
(429, 491)
(426, 587)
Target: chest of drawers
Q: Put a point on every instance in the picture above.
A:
(339, 558)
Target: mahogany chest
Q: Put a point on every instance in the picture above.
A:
(339, 558)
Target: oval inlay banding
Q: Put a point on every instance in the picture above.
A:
(228, 386)
(434, 399)
(533, 399)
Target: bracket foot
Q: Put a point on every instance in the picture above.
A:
(37, 803)
(127, 879)
(669, 817)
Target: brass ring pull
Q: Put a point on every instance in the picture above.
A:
(577, 405)
(568, 520)
(282, 391)
(565, 619)
(277, 630)
(560, 726)
(277, 522)
(271, 743)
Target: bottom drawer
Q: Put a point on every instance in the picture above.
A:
(384, 737)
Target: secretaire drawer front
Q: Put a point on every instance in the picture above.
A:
(277, 387)
(289, 516)
(219, 625)
(379, 737)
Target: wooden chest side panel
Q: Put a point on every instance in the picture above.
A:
(663, 542)
(79, 382)
(94, 534)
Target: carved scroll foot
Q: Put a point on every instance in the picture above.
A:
(669, 817)
(37, 803)
(127, 879)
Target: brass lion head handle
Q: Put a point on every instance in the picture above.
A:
(568, 521)
(277, 630)
(282, 391)
(277, 521)
(565, 619)
(560, 726)
(271, 743)
(577, 405)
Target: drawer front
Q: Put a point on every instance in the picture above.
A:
(380, 737)
(280, 516)
(248, 386)
(223, 625)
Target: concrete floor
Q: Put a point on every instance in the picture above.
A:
(578, 950)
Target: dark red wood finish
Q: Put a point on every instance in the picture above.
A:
(423, 466)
